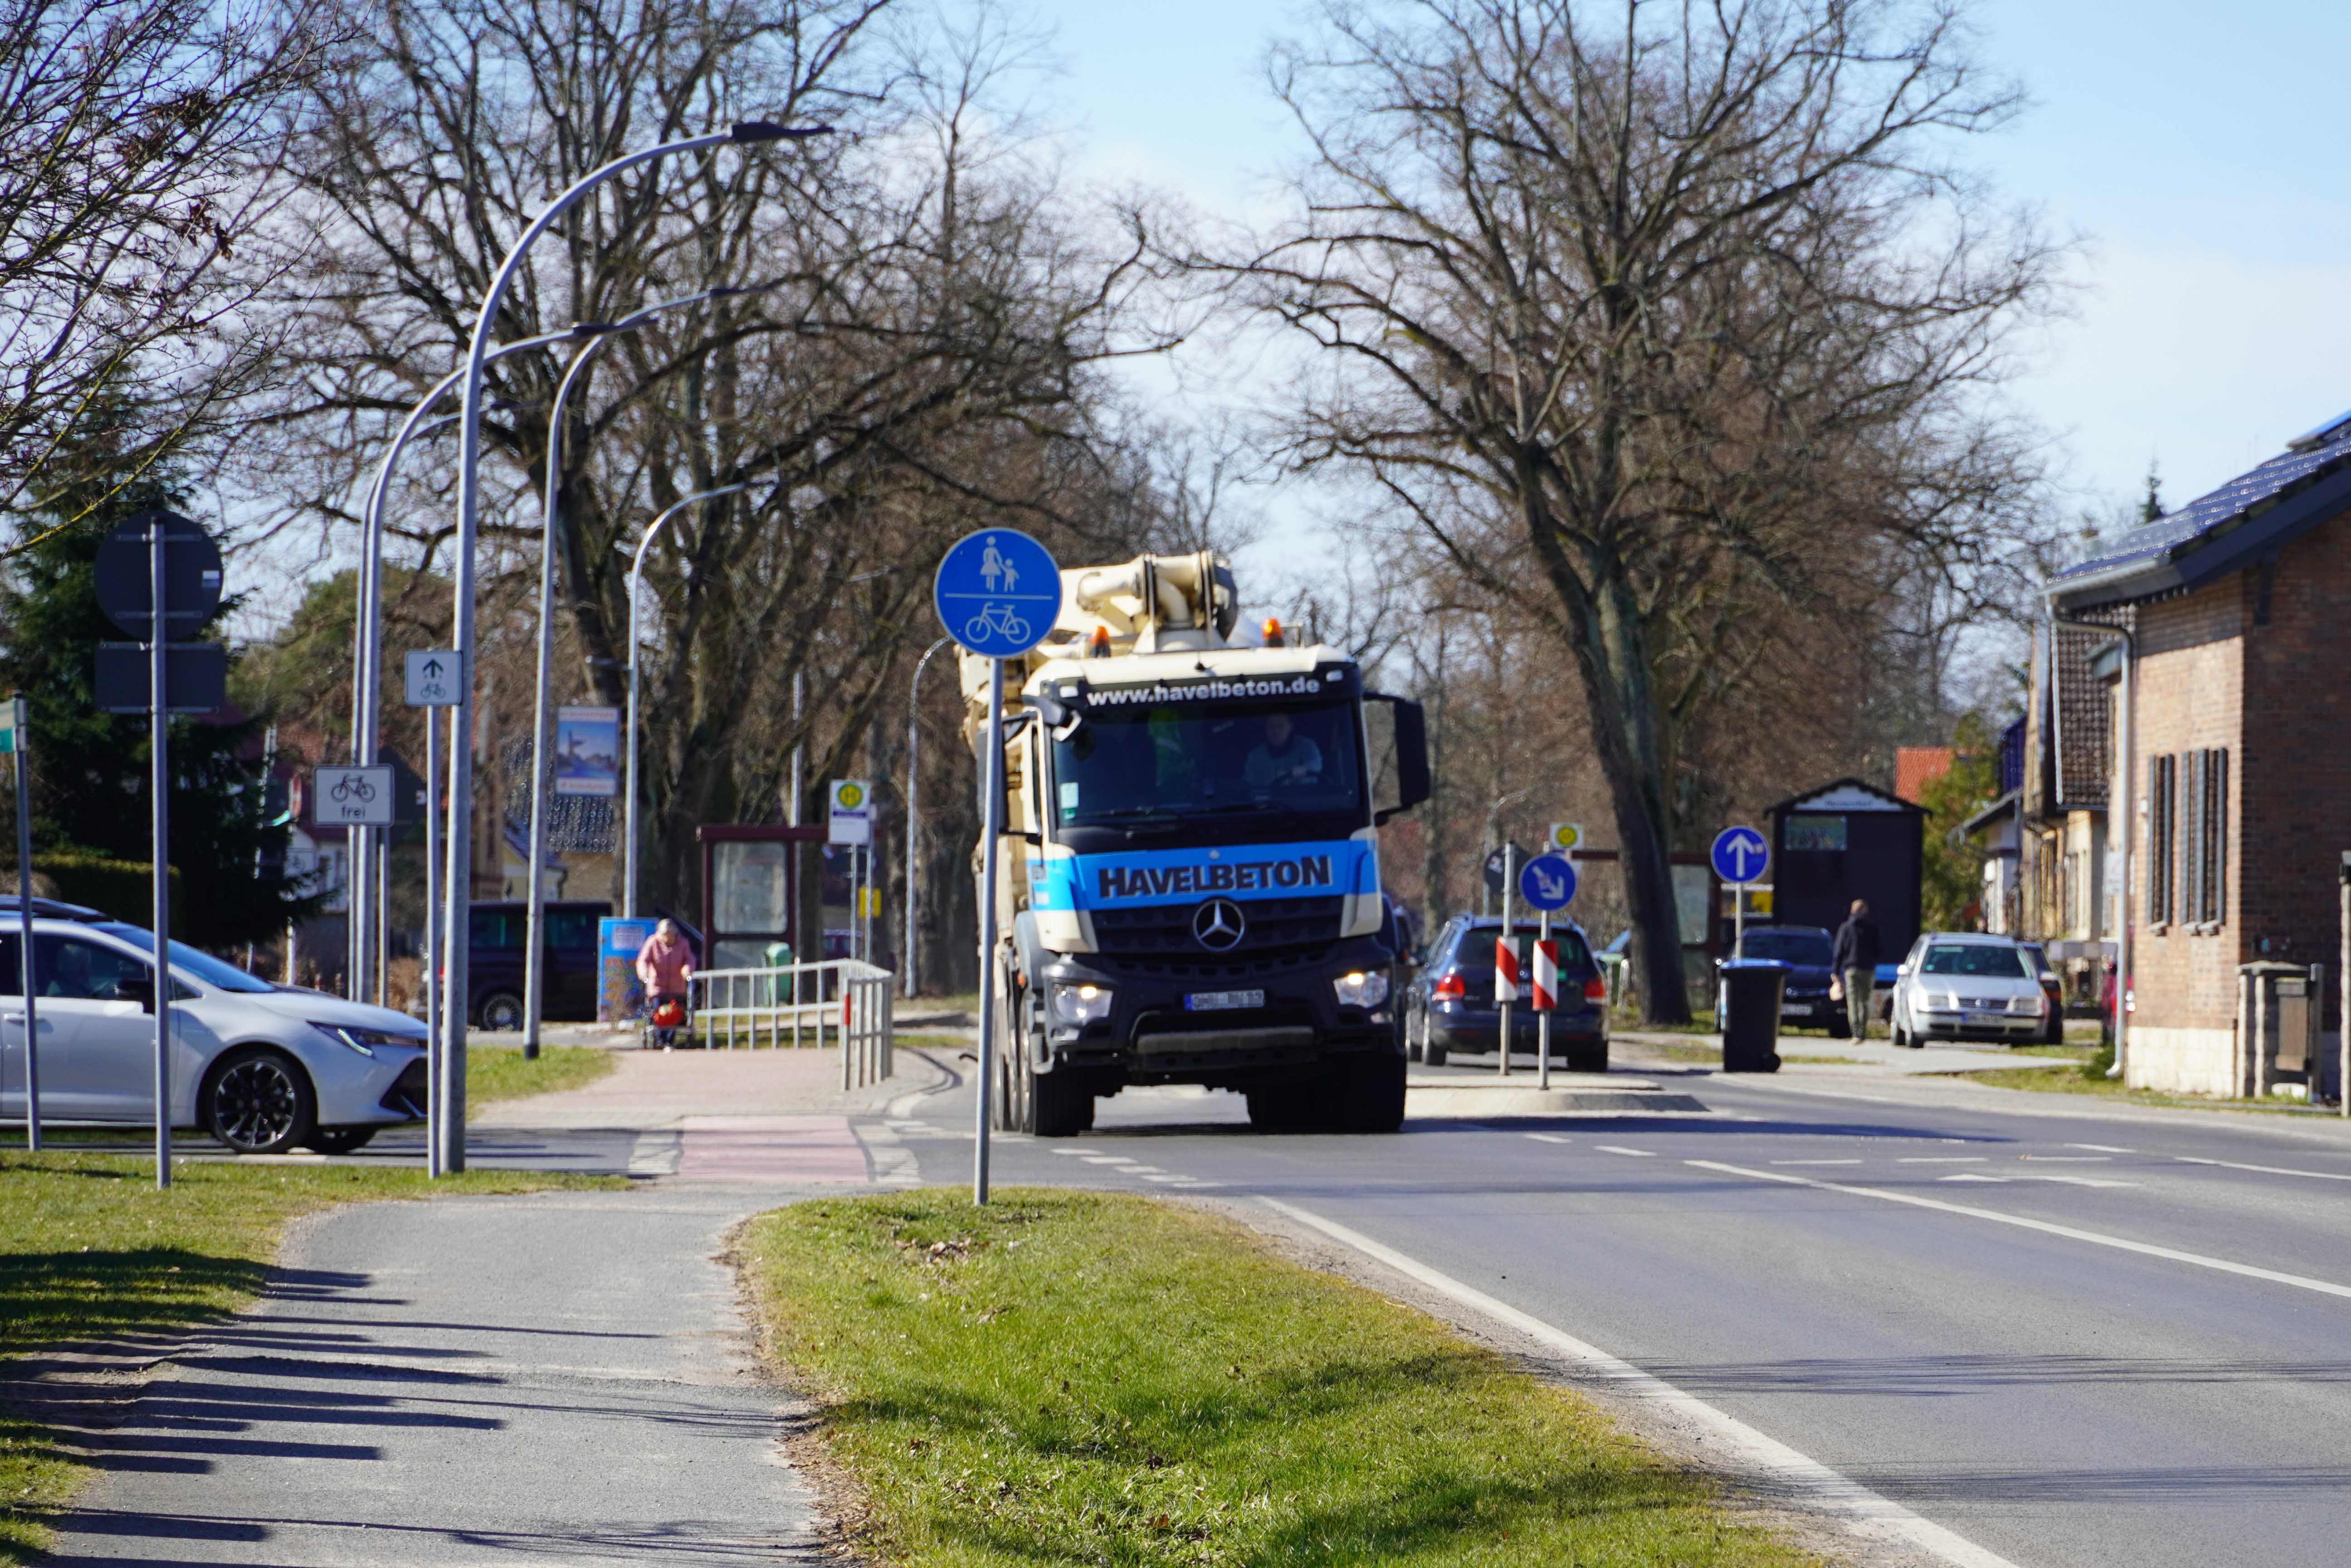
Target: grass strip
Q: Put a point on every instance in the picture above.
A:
(1097, 1379)
(496, 1072)
(90, 1249)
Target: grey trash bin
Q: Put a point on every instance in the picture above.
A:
(1751, 1022)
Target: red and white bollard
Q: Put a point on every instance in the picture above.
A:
(1546, 998)
(1506, 990)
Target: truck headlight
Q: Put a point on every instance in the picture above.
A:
(1081, 1002)
(1363, 988)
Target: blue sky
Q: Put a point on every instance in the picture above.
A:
(2197, 151)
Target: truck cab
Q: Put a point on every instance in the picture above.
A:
(1190, 883)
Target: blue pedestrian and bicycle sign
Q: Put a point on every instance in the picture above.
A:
(1740, 854)
(1547, 883)
(998, 592)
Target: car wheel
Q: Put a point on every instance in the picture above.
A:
(500, 1011)
(259, 1102)
(338, 1140)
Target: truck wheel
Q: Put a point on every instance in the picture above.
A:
(1060, 1104)
(1276, 1110)
(1371, 1095)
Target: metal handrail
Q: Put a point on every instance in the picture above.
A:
(854, 996)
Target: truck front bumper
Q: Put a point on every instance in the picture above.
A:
(1154, 1033)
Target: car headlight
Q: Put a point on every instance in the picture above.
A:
(1081, 1002)
(364, 1040)
(1363, 988)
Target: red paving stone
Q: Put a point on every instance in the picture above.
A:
(772, 1148)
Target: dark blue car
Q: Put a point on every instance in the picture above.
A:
(1806, 950)
(1450, 1006)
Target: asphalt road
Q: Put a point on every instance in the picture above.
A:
(2070, 1335)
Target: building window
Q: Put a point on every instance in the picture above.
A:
(2162, 820)
(2204, 836)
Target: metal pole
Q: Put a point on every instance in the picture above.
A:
(636, 593)
(24, 935)
(434, 1050)
(991, 772)
(159, 709)
(792, 811)
(381, 872)
(914, 762)
(1509, 935)
(1542, 1018)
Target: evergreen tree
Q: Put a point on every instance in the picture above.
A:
(90, 768)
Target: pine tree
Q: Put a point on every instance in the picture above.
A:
(90, 768)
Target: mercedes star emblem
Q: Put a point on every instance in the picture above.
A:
(1218, 924)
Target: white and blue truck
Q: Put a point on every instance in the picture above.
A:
(1189, 879)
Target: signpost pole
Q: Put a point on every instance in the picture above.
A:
(18, 745)
(434, 1050)
(159, 708)
(1510, 940)
(991, 772)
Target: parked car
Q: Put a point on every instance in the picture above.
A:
(2053, 987)
(1449, 1006)
(494, 962)
(1807, 950)
(1967, 985)
(263, 1068)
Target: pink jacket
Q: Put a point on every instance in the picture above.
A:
(665, 967)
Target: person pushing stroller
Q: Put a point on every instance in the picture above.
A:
(665, 966)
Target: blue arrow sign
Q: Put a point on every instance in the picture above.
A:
(1547, 883)
(1740, 854)
(998, 592)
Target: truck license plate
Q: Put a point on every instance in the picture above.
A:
(1210, 1001)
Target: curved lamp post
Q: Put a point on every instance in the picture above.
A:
(636, 580)
(533, 956)
(457, 894)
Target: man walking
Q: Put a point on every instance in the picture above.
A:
(1855, 961)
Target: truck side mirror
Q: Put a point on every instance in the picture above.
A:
(1407, 755)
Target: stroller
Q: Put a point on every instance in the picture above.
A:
(664, 1021)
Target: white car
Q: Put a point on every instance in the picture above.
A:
(1965, 985)
(263, 1068)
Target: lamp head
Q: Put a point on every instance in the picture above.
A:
(745, 131)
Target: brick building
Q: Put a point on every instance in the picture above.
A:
(2240, 743)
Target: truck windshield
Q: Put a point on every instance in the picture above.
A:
(1276, 761)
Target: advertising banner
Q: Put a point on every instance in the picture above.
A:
(588, 751)
(619, 997)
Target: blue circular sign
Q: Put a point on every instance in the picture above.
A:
(1547, 883)
(998, 592)
(1740, 854)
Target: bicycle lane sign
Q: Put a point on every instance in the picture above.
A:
(998, 592)
(352, 797)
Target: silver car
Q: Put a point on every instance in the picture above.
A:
(1965, 986)
(263, 1068)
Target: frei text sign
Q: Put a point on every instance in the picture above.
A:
(355, 797)
(851, 819)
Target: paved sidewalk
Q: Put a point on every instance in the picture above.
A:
(562, 1379)
(659, 1090)
(1856, 1054)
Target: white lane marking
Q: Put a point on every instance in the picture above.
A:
(1154, 1176)
(1616, 1149)
(2071, 1232)
(1091, 1160)
(1942, 1159)
(1136, 1170)
(2103, 1148)
(1816, 1162)
(2070, 1181)
(1972, 1176)
(1745, 1450)
(2071, 1159)
(2265, 1170)
(1549, 1138)
(1077, 1151)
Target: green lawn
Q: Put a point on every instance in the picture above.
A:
(1097, 1379)
(89, 1249)
(495, 1072)
(2092, 1081)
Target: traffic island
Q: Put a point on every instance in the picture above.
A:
(1098, 1377)
(99, 1272)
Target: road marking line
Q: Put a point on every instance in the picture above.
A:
(2103, 1148)
(1130, 1170)
(2070, 1181)
(1780, 1467)
(1816, 1162)
(1942, 1159)
(2069, 1159)
(1092, 1159)
(1549, 1138)
(1616, 1149)
(2071, 1232)
(1972, 1176)
(1077, 1151)
(2265, 1170)
(1152, 1178)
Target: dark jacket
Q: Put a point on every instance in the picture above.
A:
(1857, 944)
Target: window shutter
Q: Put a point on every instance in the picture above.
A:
(2217, 883)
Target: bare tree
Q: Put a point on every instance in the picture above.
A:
(135, 137)
(1650, 315)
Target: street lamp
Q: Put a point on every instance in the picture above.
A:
(458, 893)
(534, 959)
(636, 577)
(913, 760)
